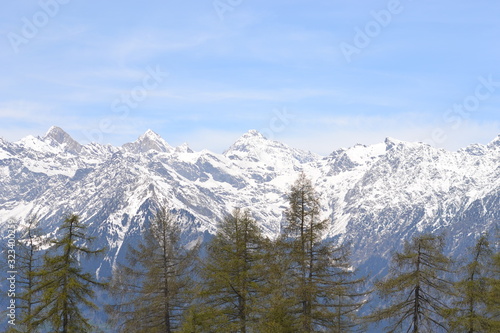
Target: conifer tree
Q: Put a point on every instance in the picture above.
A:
(325, 288)
(468, 313)
(65, 288)
(153, 288)
(231, 276)
(347, 294)
(303, 233)
(493, 304)
(29, 261)
(277, 292)
(415, 288)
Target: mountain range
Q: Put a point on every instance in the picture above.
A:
(374, 197)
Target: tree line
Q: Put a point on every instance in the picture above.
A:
(244, 282)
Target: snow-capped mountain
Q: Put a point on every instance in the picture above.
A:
(375, 196)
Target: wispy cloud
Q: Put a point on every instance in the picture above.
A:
(245, 94)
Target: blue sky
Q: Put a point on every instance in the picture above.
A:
(317, 75)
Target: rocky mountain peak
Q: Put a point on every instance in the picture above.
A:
(184, 148)
(248, 143)
(150, 135)
(255, 147)
(495, 143)
(251, 138)
(253, 134)
(146, 142)
(252, 143)
(57, 133)
(59, 136)
(391, 143)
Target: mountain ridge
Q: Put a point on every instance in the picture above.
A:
(374, 196)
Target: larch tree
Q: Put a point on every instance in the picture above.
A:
(65, 288)
(347, 294)
(493, 304)
(153, 288)
(304, 234)
(325, 287)
(277, 297)
(29, 261)
(231, 277)
(416, 288)
(469, 311)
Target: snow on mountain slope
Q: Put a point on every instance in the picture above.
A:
(374, 196)
(146, 142)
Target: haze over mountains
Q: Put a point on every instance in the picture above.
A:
(374, 196)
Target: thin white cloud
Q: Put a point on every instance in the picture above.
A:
(149, 43)
(24, 110)
(244, 94)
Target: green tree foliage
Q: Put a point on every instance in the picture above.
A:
(277, 297)
(469, 311)
(493, 304)
(415, 288)
(153, 287)
(347, 294)
(324, 286)
(65, 288)
(231, 277)
(303, 234)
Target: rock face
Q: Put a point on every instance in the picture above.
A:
(56, 136)
(375, 196)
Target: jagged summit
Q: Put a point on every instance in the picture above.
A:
(146, 142)
(253, 134)
(184, 148)
(150, 135)
(58, 135)
(255, 147)
(495, 143)
(249, 142)
(391, 142)
(55, 132)
(250, 138)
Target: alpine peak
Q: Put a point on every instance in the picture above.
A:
(150, 135)
(253, 134)
(391, 141)
(495, 142)
(184, 148)
(146, 142)
(250, 141)
(58, 135)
